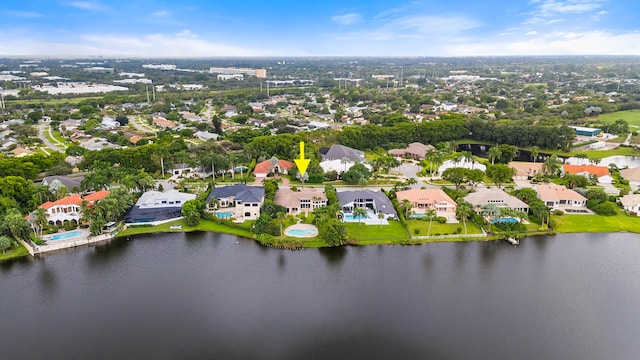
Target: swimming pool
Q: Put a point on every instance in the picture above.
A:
(350, 217)
(224, 214)
(505, 220)
(63, 236)
(302, 232)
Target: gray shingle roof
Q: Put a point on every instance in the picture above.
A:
(240, 192)
(337, 152)
(380, 200)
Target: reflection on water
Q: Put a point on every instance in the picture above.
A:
(205, 295)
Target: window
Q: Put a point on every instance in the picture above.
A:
(247, 214)
(163, 201)
(178, 201)
(305, 204)
(254, 204)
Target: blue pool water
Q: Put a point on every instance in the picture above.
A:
(352, 218)
(224, 214)
(505, 220)
(418, 216)
(65, 235)
(300, 232)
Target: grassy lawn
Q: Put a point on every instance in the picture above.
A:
(53, 101)
(394, 233)
(243, 230)
(14, 254)
(440, 229)
(630, 116)
(597, 154)
(595, 223)
(205, 225)
(56, 135)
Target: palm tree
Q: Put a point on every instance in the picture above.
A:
(457, 158)
(359, 213)
(468, 156)
(535, 151)
(494, 154)
(41, 218)
(464, 212)
(380, 217)
(431, 213)
(552, 165)
(274, 162)
(232, 162)
(405, 207)
(280, 216)
(392, 162)
(345, 160)
(490, 211)
(431, 156)
(411, 181)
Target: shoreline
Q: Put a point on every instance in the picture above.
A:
(291, 243)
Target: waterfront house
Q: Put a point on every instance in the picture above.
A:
(631, 204)
(302, 201)
(237, 201)
(486, 196)
(525, 170)
(632, 175)
(463, 163)
(69, 208)
(600, 172)
(559, 197)
(375, 202)
(414, 150)
(428, 199)
(155, 207)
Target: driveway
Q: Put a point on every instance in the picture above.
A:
(46, 141)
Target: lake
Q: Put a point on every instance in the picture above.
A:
(206, 295)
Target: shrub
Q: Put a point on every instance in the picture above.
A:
(606, 209)
(558, 212)
(416, 231)
(441, 219)
(459, 229)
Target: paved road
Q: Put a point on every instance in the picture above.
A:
(133, 120)
(46, 141)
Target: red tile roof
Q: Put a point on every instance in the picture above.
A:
(591, 169)
(265, 166)
(97, 196)
(74, 199)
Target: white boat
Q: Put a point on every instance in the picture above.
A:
(175, 227)
(513, 241)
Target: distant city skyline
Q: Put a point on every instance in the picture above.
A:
(197, 28)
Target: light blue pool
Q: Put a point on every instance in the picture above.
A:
(63, 236)
(505, 220)
(417, 216)
(224, 214)
(302, 232)
(350, 217)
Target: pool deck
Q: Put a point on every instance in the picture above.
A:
(53, 245)
(301, 227)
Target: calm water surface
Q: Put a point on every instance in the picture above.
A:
(195, 296)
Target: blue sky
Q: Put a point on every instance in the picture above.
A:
(195, 28)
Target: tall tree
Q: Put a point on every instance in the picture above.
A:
(494, 154)
(464, 212)
(535, 152)
(552, 165)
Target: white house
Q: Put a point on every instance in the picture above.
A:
(69, 208)
(237, 201)
(631, 204)
(339, 166)
(155, 207)
(556, 196)
(598, 145)
(464, 163)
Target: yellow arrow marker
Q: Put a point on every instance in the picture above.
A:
(302, 163)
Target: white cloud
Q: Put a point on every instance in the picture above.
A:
(554, 43)
(88, 5)
(347, 19)
(551, 7)
(23, 14)
(531, 33)
(182, 44)
(160, 13)
(430, 24)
